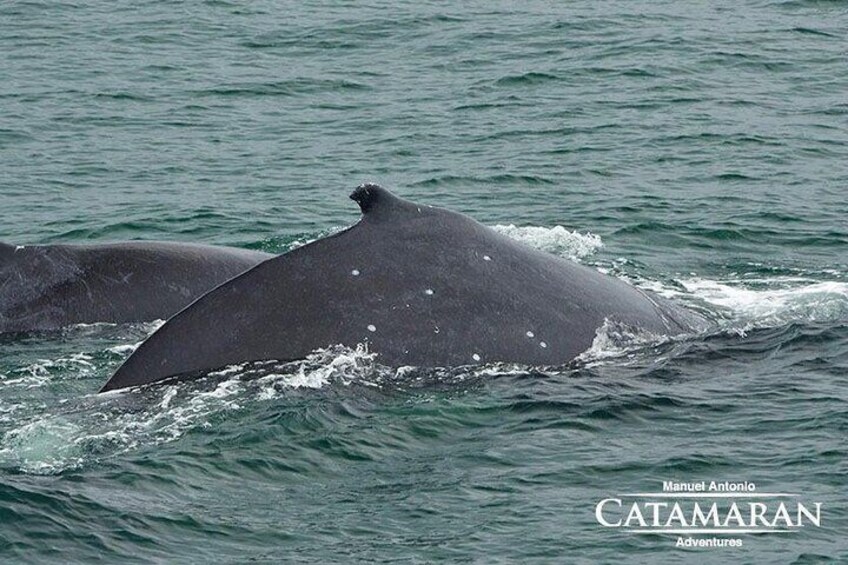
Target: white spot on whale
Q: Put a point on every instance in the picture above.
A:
(475, 357)
(355, 272)
(542, 344)
(437, 330)
(429, 292)
(530, 334)
(372, 328)
(486, 258)
(18, 247)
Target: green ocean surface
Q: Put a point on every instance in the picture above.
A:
(697, 149)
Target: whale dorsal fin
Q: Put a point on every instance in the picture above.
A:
(377, 203)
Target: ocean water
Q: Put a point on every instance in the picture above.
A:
(698, 149)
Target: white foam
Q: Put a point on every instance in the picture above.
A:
(557, 240)
(125, 349)
(614, 339)
(229, 370)
(41, 372)
(223, 390)
(145, 327)
(92, 325)
(44, 446)
(169, 396)
(151, 327)
(323, 366)
(404, 371)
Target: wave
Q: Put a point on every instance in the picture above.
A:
(530, 78)
(793, 300)
(86, 430)
(83, 431)
(745, 304)
(283, 88)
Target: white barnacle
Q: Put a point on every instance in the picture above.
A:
(429, 292)
(372, 328)
(475, 357)
(542, 344)
(530, 334)
(355, 272)
(486, 258)
(437, 330)
(18, 247)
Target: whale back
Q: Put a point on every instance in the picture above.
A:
(46, 287)
(419, 285)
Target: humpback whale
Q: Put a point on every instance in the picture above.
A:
(420, 285)
(46, 287)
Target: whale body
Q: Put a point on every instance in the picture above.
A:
(420, 285)
(47, 287)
